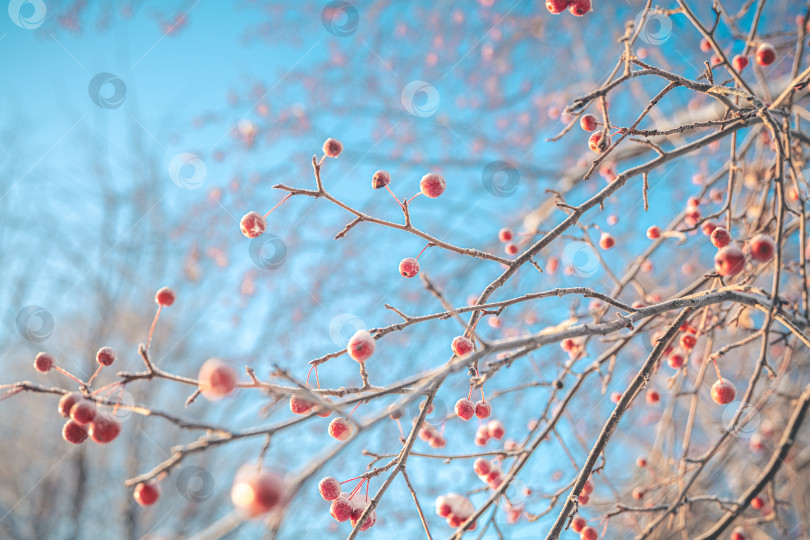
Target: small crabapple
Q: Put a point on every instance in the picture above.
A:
(483, 409)
(462, 346)
(437, 441)
(409, 267)
(443, 508)
(104, 428)
(146, 493)
(216, 379)
(606, 241)
(332, 147)
(675, 360)
(165, 296)
(256, 492)
(324, 411)
(299, 405)
(253, 224)
(380, 179)
(510, 249)
(766, 54)
(105, 356)
(74, 433)
(588, 122)
(360, 346)
(739, 62)
(329, 488)
(723, 391)
(720, 237)
(705, 45)
(729, 261)
(340, 428)
(641, 462)
(762, 248)
(83, 411)
(432, 185)
(638, 493)
(557, 6)
(66, 403)
(43, 362)
(757, 503)
(482, 467)
(708, 228)
(495, 429)
(688, 341)
(588, 533)
(578, 523)
(568, 344)
(599, 142)
(615, 397)
(465, 409)
(505, 235)
(653, 396)
(340, 508)
(579, 7)
(654, 232)
(738, 534)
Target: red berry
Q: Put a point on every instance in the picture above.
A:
(43, 362)
(83, 411)
(598, 142)
(638, 493)
(340, 509)
(762, 248)
(739, 62)
(692, 216)
(253, 224)
(757, 503)
(688, 341)
(105, 356)
(361, 346)
(568, 344)
(588, 533)
(299, 405)
(465, 409)
(329, 488)
(720, 237)
(483, 409)
(705, 45)
(67, 402)
(723, 391)
(578, 523)
(654, 232)
(641, 462)
(583, 499)
(738, 534)
(708, 228)
(482, 467)
(766, 54)
(216, 379)
(332, 148)
(675, 360)
(324, 412)
(380, 179)
(340, 428)
(462, 346)
(510, 249)
(256, 492)
(104, 428)
(437, 441)
(165, 296)
(73, 432)
(615, 397)
(557, 6)
(146, 493)
(579, 7)
(653, 396)
(606, 241)
(505, 235)
(729, 261)
(587, 487)
(432, 185)
(495, 429)
(588, 122)
(409, 267)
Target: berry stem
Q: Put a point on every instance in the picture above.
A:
(279, 204)
(395, 197)
(68, 374)
(412, 198)
(98, 370)
(423, 250)
(152, 328)
(355, 408)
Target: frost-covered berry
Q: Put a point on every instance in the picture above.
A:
(329, 488)
(510, 249)
(256, 492)
(66, 403)
(495, 429)
(505, 235)
(43, 362)
(332, 148)
(104, 428)
(557, 6)
(105, 356)
(361, 346)
(462, 346)
(739, 62)
(165, 296)
(340, 428)
(654, 232)
(483, 409)
(340, 509)
(729, 261)
(409, 267)
(465, 409)
(83, 412)
(432, 185)
(253, 224)
(380, 179)
(74, 433)
(762, 248)
(606, 241)
(588, 122)
(723, 391)
(579, 7)
(599, 142)
(216, 379)
(720, 237)
(299, 405)
(146, 493)
(766, 54)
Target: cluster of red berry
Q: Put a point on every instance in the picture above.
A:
(575, 7)
(347, 506)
